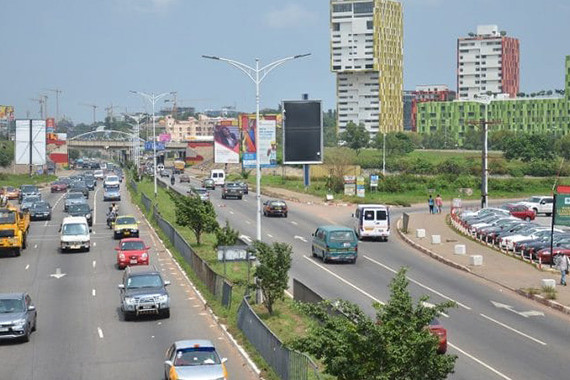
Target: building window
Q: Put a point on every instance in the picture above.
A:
(342, 7)
(369, 25)
(367, 7)
(336, 27)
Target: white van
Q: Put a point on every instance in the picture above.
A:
(219, 176)
(75, 235)
(372, 221)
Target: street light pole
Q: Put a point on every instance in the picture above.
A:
(384, 155)
(485, 181)
(152, 98)
(254, 75)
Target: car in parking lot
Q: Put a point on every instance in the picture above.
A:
(73, 198)
(232, 190)
(132, 251)
(335, 243)
(194, 359)
(183, 178)
(275, 207)
(125, 226)
(541, 204)
(520, 211)
(81, 209)
(40, 211)
(112, 194)
(18, 316)
(200, 192)
(143, 292)
(209, 184)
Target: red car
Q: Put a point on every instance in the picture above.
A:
(132, 251)
(545, 256)
(520, 211)
(58, 187)
(441, 332)
(275, 207)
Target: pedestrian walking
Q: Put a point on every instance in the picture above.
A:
(431, 204)
(438, 203)
(563, 263)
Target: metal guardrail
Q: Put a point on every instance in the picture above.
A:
(287, 364)
(147, 203)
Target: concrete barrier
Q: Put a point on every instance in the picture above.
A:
(420, 233)
(460, 249)
(476, 260)
(548, 283)
(436, 239)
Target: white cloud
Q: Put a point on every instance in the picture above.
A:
(292, 15)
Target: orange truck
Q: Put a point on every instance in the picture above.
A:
(14, 227)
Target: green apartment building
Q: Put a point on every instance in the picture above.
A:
(524, 115)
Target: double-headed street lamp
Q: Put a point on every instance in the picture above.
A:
(152, 98)
(257, 75)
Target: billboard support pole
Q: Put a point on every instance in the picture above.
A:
(552, 231)
(307, 175)
(30, 147)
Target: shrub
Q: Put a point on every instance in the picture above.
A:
(515, 172)
(455, 166)
(541, 168)
(498, 166)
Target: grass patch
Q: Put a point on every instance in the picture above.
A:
(18, 180)
(549, 292)
(286, 323)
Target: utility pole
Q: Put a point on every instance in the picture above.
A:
(57, 92)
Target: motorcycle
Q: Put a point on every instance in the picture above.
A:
(111, 219)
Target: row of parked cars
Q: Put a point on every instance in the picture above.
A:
(511, 228)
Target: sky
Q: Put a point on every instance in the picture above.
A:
(96, 51)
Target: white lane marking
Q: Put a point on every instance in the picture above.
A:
(418, 283)
(57, 274)
(479, 361)
(46, 223)
(301, 238)
(231, 212)
(94, 263)
(269, 235)
(95, 205)
(93, 292)
(294, 223)
(431, 306)
(245, 199)
(513, 330)
(526, 314)
(94, 244)
(35, 246)
(343, 280)
(100, 332)
(248, 222)
(27, 266)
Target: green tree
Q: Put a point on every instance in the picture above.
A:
(527, 147)
(472, 139)
(226, 235)
(339, 160)
(6, 153)
(355, 136)
(562, 147)
(440, 139)
(196, 214)
(499, 139)
(73, 154)
(273, 271)
(397, 143)
(330, 136)
(395, 345)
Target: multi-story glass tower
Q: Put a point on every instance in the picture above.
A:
(367, 57)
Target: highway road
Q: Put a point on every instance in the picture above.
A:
(524, 341)
(81, 333)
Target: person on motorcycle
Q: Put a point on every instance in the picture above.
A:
(115, 208)
(172, 179)
(111, 215)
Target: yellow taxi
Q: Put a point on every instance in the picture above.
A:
(125, 226)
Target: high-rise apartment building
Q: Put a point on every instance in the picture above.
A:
(487, 63)
(367, 57)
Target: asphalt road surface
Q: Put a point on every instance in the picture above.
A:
(524, 341)
(81, 333)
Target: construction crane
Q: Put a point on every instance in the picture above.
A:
(175, 102)
(42, 100)
(57, 92)
(94, 106)
(110, 110)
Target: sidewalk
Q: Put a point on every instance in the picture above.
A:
(507, 271)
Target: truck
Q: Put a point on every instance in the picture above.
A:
(14, 226)
(541, 204)
(179, 166)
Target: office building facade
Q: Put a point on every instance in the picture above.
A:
(367, 58)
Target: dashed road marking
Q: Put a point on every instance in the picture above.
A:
(100, 332)
(479, 361)
(35, 246)
(94, 263)
(294, 223)
(27, 266)
(248, 222)
(513, 330)
(269, 235)
(93, 292)
(231, 212)
(94, 244)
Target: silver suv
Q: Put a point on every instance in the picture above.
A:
(18, 317)
(143, 292)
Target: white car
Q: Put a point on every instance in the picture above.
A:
(484, 211)
(75, 234)
(111, 181)
(541, 204)
(510, 242)
(98, 174)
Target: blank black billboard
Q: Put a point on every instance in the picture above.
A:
(302, 132)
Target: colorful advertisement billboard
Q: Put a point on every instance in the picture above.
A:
(57, 147)
(226, 142)
(50, 125)
(6, 113)
(164, 137)
(267, 140)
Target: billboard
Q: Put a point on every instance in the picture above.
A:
(57, 147)
(149, 145)
(50, 125)
(6, 113)
(302, 132)
(226, 142)
(30, 137)
(164, 137)
(267, 140)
